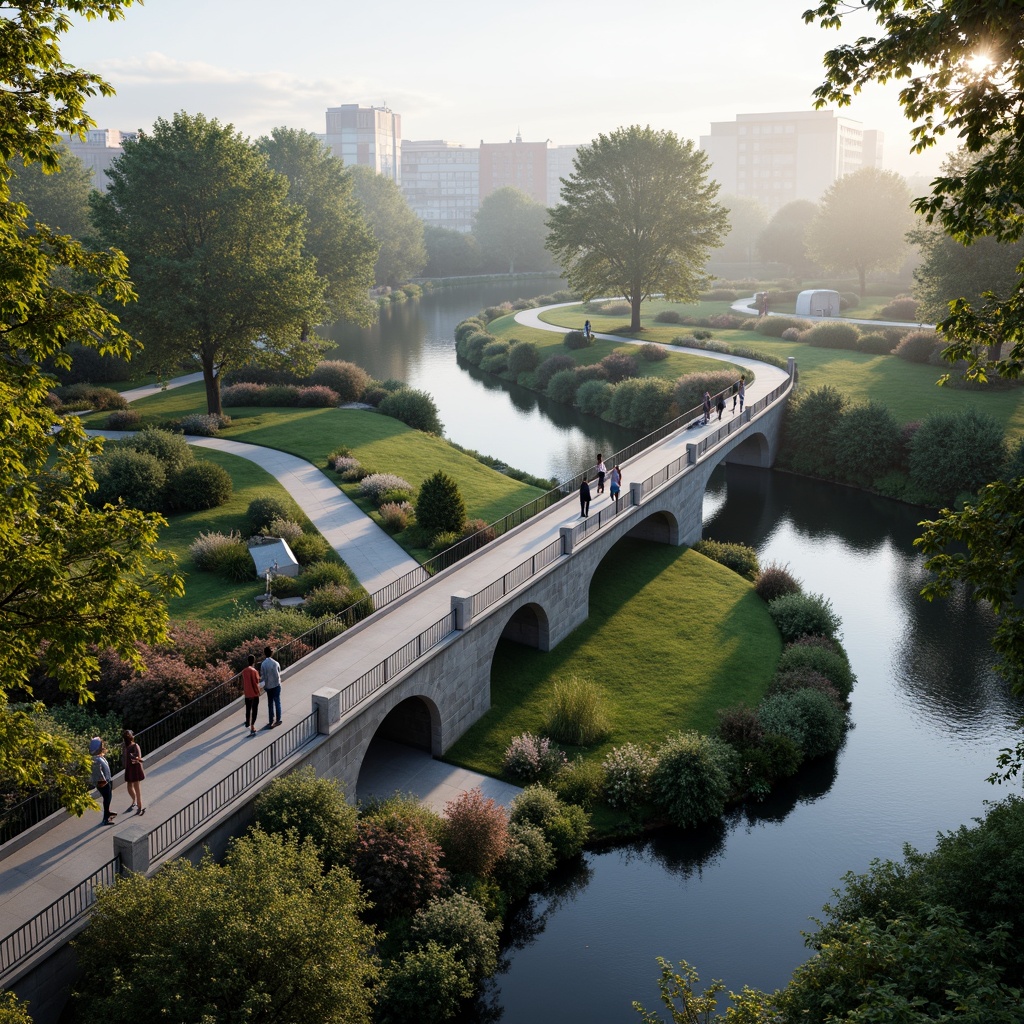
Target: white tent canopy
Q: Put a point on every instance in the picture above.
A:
(274, 554)
(817, 302)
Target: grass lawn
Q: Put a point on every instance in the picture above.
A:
(909, 390)
(550, 344)
(381, 444)
(672, 637)
(207, 596)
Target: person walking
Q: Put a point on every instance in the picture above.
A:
(601, 470)
(720, 404)
(584, 499)
(270, 677)
(707, 407)
(134, 773)
(735, 395)
(615, 482)
(101, 777)
(743, 390)
(251, 689)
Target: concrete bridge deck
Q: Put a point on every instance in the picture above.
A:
(45, 866)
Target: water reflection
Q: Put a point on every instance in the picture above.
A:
(929, 716)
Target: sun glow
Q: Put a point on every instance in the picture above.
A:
(980, 64)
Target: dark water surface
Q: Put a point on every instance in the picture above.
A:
(929, 715)
(415, 342)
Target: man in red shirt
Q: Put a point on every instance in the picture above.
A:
(251, 688)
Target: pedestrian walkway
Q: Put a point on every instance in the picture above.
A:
(372, 555)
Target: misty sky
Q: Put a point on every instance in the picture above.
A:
(464, 71)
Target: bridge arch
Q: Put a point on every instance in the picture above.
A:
(528, 625)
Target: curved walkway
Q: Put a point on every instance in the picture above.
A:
(748, 308)
(763, 382)
(369, 552)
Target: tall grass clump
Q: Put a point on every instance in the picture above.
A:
(577, 717)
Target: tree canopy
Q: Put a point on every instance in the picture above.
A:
(861, 224)
(747, 220)
(961, 66)
(784, 239)
(216, 250)
(510, 229)
(59, 199)
(398, 231)
(71, 576)
(638, 216)
(337, 235)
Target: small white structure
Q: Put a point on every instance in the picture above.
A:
(817, 302)
(270, 553)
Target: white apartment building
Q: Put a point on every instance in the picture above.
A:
(560, 160)
(778, 157)
(366, 136)
(98, 151)
(441, 181)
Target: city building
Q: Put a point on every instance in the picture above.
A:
(367, 137)
(779, 157)
(98, 151)
(521, 165)
(560, 166)
(441, 182)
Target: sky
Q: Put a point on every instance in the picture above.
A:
(468, 71)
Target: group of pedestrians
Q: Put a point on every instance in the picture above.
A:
(614, 485)
(739, 393)
(267, 679)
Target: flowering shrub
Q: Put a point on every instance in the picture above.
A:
(565, 826)
(123, 419)
(627, 775)
(376, 485)
(619, 366)
(475, 834)
(242, 394)
(317, 396)
(653, 353)
(396, 862)
(286, 529)
(204, 424)
(395, 515)
(348, 467)
(529, 757)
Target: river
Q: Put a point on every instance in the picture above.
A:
(929, 715)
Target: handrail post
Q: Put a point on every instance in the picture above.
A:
(567, 535)
(327, 705)
(132, 846)
(636, 493)
(462, 606)
(691, 454)
(791, 367)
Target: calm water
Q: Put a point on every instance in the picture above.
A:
(929, 716)
(415, 342)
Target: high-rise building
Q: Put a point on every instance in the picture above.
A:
(366, 136)
(560, 166)
(441, 181)
(521, 165)
(779, 157)
(98, 151)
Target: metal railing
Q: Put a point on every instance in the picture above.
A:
(495, 591)
(205, 806)
(24, 941)
(383, 672)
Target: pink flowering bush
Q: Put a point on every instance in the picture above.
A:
(530, 757)
(475, 833)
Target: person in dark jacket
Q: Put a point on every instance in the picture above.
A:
(584, 499)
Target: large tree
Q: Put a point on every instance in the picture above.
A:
(862, 224)
(216, 251)
(638, 216)
(71, 576)
(58, 199)
(784, 239)
(510, 229)
(747, 220)
(337, 235)
(398, 231)
(450, 253)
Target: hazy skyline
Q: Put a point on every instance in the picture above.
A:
(465, 72)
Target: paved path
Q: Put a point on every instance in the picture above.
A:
(52, 863)
(749, 308)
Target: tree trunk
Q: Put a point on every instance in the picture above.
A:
(212, 381)
(634, 324)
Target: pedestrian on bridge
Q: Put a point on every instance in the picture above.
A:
(601, 470)
(615, 482)
(270, 677)
(251, 689)
(707, 407)
(743, 390)
(720, 404)
(584, 499)
(133, 771)
(101, 777)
